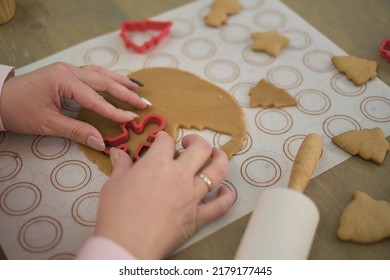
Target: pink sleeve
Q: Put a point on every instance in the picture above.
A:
(5, 73)
(101, 248)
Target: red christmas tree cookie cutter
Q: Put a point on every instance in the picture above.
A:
(385, 50)
(142, 26)
(120, 141)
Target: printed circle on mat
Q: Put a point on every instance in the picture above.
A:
(123, 72)
(338, 124)
(376, 108)
(257, 58)
(40, 234)
(10, 165)
(199, 49)
(104, 57)
(270, 19)
(313, 102)
(342, 85)
(286, 77)
(47, 148)
(71, 175)
(261, 171)
(181, 28)
(84, 209)
(319, 61)
(291, 146)
(213, 193)
(299, 40)
(235, 34)
(240, 92)
(161, 60)
(20, 199)
(251, 4)
(222, 71)
(273, 121)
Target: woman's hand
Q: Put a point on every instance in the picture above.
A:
(154, 205)
(31, 103)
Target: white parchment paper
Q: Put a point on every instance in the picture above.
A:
(49, 191)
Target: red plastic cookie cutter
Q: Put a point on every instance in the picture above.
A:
(142, 26)
(385, 50)
(120, 141)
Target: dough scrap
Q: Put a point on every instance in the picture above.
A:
(265, 94)
(220, 11)
(185, 101)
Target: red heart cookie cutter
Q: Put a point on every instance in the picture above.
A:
(120, 141)
(385, 50)
(142, 26)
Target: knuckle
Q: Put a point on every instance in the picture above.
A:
(59, 67)
(79, 133)
(221, 171)
(205, 146)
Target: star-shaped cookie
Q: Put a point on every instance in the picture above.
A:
(356, 69)
(270, 42)
(265, 94)
(370, 144)
(364, 220)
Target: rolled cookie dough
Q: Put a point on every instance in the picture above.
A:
(185, 101)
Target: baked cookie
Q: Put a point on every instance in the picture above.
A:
(220, 11)
(356, 69)
(364, 220)
(369, 144)
(265, 94)
(271, 42)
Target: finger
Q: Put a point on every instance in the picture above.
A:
(121, 162)
(215, 208)
(124, 80)
(216, 171)
(76, 130)
(197, 152)
(88, 98)
(163, 145)
(116, 85)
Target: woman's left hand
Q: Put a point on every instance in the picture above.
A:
(31, 103)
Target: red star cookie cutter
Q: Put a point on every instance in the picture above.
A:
(142, 26)
(120, 141)
(385, 50)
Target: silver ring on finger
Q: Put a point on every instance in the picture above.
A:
(206, 180)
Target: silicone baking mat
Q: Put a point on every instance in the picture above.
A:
(49, 190)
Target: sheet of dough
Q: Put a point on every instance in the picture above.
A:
(185, 101)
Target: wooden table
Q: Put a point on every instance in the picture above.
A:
(41, 28)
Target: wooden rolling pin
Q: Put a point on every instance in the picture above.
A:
(7, 10)
(284, 221)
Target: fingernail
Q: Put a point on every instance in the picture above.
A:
(146, 101)
(96, 143)
(137, 82)
(114, 155)
(132, 114)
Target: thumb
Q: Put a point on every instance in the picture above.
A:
(78, 131)
(120, 161)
